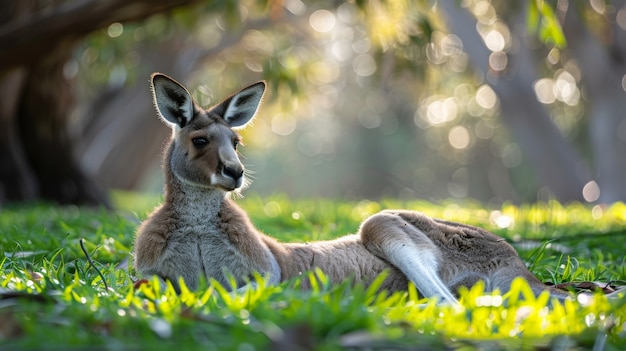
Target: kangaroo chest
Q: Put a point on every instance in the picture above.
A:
(206, 252)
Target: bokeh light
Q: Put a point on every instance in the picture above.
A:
(591, 191)
(459, 137)
(322, 21)
(486, 97)
(115, 30)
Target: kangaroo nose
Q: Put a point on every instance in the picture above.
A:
(232, 172)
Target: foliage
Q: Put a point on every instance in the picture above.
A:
(363, 86)
(53, 298)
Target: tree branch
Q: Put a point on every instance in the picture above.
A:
(27, 38)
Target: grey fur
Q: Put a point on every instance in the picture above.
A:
(200, 232)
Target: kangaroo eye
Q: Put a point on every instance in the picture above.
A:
(200, 141)
(235, 143)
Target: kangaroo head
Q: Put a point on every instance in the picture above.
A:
(203, 152)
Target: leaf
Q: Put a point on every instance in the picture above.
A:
(374, 287)
(425, 26)
(542, 20)
(412, 290)
(532, 18)
(221, 291)
(361, 4)
(24, 254)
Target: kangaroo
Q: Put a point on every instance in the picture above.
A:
(199, 231)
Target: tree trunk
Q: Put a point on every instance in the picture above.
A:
(555, 161)
(44, 108)
(18, 182)
(36, 40)
(603, 63)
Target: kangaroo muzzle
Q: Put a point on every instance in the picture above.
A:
(231, 167)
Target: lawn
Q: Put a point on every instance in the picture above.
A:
(55, 296)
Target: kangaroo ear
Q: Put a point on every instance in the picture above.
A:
(172, 100)
(239, 109)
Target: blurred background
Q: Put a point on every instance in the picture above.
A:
(495, 101)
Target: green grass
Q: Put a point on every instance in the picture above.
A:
(52, 298)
